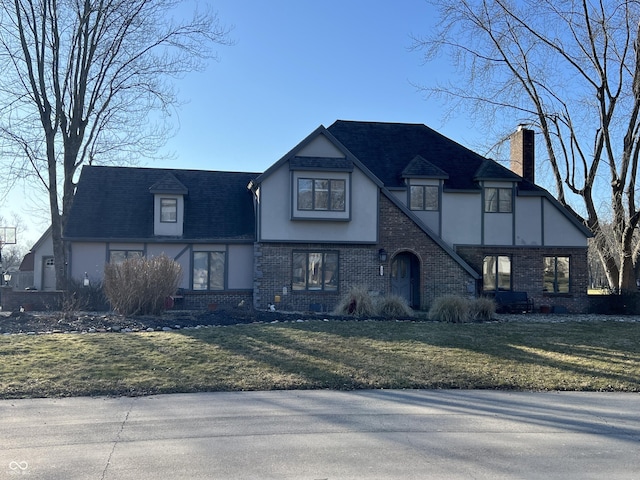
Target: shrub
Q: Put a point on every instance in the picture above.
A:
(357, 302)
(450, 308)
(393, 306)
(482, 309)
(141, 285)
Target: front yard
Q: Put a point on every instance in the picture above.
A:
(316, 354)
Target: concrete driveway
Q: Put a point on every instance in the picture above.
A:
(385, 434)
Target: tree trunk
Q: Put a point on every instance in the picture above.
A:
(59, 253)
(627, 278)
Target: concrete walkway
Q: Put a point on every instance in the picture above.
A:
(386, 434)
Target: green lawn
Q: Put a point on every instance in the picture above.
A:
(597, 356)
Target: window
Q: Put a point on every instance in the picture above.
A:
(208, 270)
(556, 274)
(321, 194)
(119, 256)
(423, 197)
(496, 273)
(168, 210)
(498, 200)
(315, 271)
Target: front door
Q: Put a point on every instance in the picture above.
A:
(48, 274)
(405, 278)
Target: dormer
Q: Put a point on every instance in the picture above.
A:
(168, 206)
(424, 184)
(498, 187)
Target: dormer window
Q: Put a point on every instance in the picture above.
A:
(498, 200)
(424, 197)
(169, 210)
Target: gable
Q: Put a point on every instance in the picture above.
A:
(320, 146)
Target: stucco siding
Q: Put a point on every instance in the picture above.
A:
(430, 219)
(498, 229)
(90, 258)
(240, 269)
(320, 146)
(276, 223)
(558, 230)
(528, 213)
(461, 218)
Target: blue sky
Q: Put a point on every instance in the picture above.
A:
(295, 65)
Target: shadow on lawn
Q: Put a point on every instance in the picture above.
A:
(356, 355)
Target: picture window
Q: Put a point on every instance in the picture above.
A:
(315, 271)
(321, 194)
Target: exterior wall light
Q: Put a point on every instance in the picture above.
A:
(85, 280)
(7, 278)
(382, 255)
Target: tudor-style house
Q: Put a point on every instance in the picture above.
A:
(397, 208)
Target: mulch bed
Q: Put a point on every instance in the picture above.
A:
(59, 322)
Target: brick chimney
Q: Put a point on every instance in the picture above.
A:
(523, 153)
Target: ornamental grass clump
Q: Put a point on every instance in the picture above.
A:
(139, 285)
(393, 306)
(356, 302)
(482, 309)
(450, 308)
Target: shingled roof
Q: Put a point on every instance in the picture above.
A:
(389, 151)
(116, 203)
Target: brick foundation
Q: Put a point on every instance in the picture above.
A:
(30, 300)
(213, 300)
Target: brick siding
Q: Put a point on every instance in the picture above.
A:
(212, 300)
(359, 265)
(440, 274)
(527, 273)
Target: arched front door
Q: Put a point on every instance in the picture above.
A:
(405, 278)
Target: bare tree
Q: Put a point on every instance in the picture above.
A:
(84, 81)
(569, 69)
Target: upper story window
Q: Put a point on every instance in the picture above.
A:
(498, 200)
(169, 210)
(423, 197)
(321, 194)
